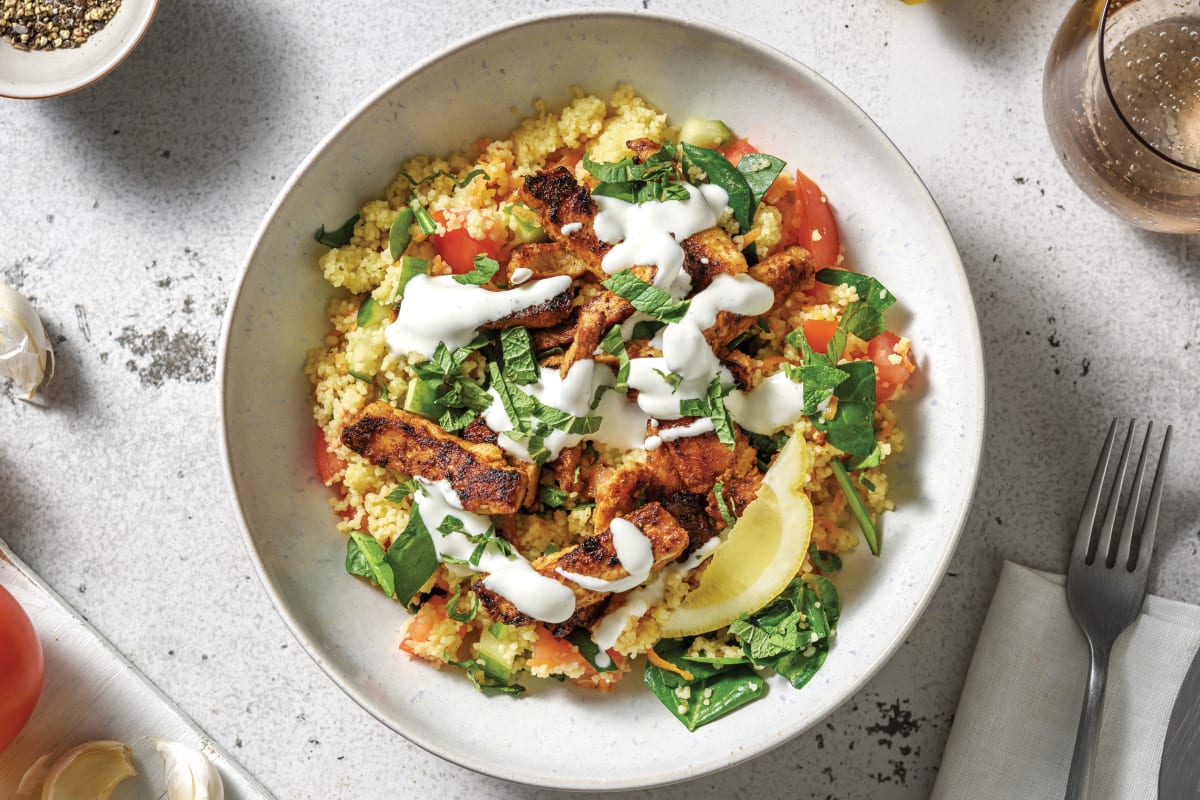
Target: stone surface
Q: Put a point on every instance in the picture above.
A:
(127, 208)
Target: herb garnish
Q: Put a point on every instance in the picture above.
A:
(791, 633)
(470, 176)
(399, 235)
(474, 670)
(588, 648)
(339, 237)
(857, 507)
(403, 490)
(657, 177)
(824, 560)
(613, 344)
(533, 420)
(463, 398)
(520, 366)
(426, 222)
(647, 297)
(485, 268)
(712, 405)
(723, 507)
(552, 496)
(452, 606)
(482, 541)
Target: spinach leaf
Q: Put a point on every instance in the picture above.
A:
(712, 405)
(339, 237)
(767, 446)
(869, 290)
(824, 560)
(520, 367)
(852, 428)
(859, 319)
(410, 267)
(399, 235)
(482, 272)
(482, 682)
(588, 649)
(365, 557)
(647, 328)
(760, 171)
(723, 174)
(412, 558)
(857, 507)
(646, 297)
(714, 690)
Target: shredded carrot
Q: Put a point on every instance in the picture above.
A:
(662, 663)
(825, 522)
(750, 237)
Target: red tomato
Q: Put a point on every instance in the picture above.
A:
(818, 332)
(735, 148)
(888, 376)
(458, 249)
(328, 462)
(812, 219)
(21, 668)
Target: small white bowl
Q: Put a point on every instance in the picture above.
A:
(37, 74)
(560, 735)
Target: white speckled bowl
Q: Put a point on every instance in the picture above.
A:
(559, 735)
(50, 73)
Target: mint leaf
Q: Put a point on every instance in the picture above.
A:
(552, 496)
(767, 446)
(791, 634)
(712, 405)
(452, 606)
(722, 506)
(403, 490)
(824, 560)
(647, 329)
(646, 297)
(613, 344)
(339, 237)
(520, 366)
(657, 177)
(483, 271)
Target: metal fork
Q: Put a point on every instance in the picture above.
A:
(1106, 581)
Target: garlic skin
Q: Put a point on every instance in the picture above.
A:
(30, 787)
(25, 350)
(190, 776)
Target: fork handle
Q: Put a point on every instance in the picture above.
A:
(1084, 757)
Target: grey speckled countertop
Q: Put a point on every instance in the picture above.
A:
(125, 210)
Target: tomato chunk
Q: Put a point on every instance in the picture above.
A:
(329, 464)
(812, 220)
(21, 668)
(735, 148)
(458, 248)
(893, 367)
(818, 332)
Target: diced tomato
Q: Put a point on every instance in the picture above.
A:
(818, 332)
(813, 223)
(432, 612)
(889, 376)
(735, 148)
(328, 462)
(567, 158)
(458, 249)
(549, 651)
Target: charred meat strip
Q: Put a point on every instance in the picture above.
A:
(596, 557)
(413, 445)
(541, 315)
(785, 272)
(545, 260)
(558, 199)
(711, 253)
(595, 317)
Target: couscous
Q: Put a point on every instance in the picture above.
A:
(560, 389)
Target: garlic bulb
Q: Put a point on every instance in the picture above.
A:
(25, 351)
(190, 776)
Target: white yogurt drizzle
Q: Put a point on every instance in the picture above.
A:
(774, 404)
(510, 576)
(649, 233)
(635, 553)
(520, 275)
(637, 603)
(694, 428)
(440, 309)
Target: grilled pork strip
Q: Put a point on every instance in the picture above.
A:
(413, 445)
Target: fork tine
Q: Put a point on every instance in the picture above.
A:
(1084, 537)
(1151, 524)
(1125, 541)
(1108, 543)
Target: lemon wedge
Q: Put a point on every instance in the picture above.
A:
(88, 772)
(761, 554)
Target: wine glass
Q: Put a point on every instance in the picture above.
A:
(1121, 96)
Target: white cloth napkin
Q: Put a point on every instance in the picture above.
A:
(1015, 727)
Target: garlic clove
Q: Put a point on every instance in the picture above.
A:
(30, 787)
(25, 350)
(190, 776)
(89, 772)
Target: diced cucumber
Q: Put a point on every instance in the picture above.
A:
(496, 663)
(423, 400)
(399, 235)
(410, 267)
(523, 222)
(709, 133)
(372, 313)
